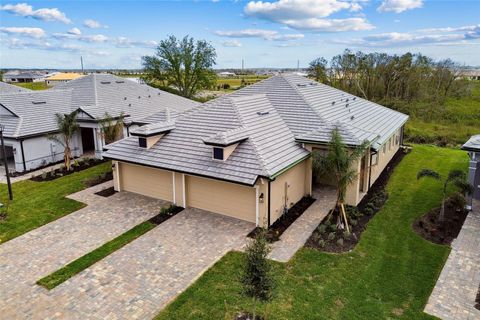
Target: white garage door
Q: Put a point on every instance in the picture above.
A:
(221, 197)
(150, 182)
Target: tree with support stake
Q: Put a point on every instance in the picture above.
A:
(340, 162)
(5, 163)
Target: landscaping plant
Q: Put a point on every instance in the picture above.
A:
(340, 161)
(111, 129)
(455, 177)
(67, 126)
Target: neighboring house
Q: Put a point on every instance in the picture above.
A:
(248, 154)
(23, 77)
(61, 77)
(473, 148)
(226, 74)
(29, 117)
(10, 88)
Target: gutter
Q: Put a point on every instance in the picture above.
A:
(289, 166)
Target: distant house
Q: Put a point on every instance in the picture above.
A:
(23, 77)
(471, 74)
(226, 74)
(29, 116)
(61, 77)
(248, 154)
(473, 148)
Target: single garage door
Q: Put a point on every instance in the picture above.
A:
(221, 197)
(150, 182)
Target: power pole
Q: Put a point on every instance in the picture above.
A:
(81, 62)
(298, 65)
(243, 65)
(5, 163)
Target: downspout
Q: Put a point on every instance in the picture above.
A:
(370, 172)
(23, 155)
(269, 197)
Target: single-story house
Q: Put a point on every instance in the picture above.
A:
(61, 77)
(473, 148)
(248, 154)
(23, 77)
(29, 117)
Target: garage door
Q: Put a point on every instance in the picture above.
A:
(147, 181)
(221, 197)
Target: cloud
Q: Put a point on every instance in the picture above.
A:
(309, 15)
(260, 33)
(100, 53)
(232, 43)
(437, 36)
(96, 38)
(74, 31)
(124, 42)
(15, 43)
(93, 24)
(44, 14)
(399, 6)
(24, 31)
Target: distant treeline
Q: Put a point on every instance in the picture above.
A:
(386, 78)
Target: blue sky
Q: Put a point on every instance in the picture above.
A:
(115, 34)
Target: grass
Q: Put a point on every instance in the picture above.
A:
(76, 266)
(37, 203)
(389, 275)
(235, 82)
(33, 85)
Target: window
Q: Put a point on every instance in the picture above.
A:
(218, 153)
(374, 159)
(142, 142)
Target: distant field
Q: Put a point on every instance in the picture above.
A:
(33, 85)
(236, 82)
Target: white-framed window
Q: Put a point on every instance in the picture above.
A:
(374, 159)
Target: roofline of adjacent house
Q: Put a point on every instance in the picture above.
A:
(470, 149)
(184, 172)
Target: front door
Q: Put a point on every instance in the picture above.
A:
(88, 141)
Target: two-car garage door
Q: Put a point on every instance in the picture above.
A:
(212, 195)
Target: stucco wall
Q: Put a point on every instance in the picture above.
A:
(385, 154)
(290, 184)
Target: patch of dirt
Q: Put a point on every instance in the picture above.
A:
(60, 172)
(165, 214)
(429, 227)
(247, 316)
(278, 227)
(397, 311)
(328, 237)
(106, 192)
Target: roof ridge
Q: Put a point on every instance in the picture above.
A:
(95, 88)
(254, 145)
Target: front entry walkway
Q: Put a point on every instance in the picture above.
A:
(135, 282)
(454, 294)
(298, 233)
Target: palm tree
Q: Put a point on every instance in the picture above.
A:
(67, 126)
(111, 129)
(455, 177)
(340, 161)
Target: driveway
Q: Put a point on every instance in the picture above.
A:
(134, 282)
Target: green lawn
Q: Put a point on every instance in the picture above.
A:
(389, 275)
(82, 263)
(38, 203)
(34, 85)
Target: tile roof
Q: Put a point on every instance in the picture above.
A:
(10, 88)
(473, 144)
(270, 117)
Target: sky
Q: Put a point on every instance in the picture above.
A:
(273, 34)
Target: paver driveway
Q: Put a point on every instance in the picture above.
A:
(134, 282)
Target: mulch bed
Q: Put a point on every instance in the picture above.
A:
(101, 178)
(165, 214)
(247, 316)
(445, 232)
(60, 172)
(328, 237)
(106, 192)
(278, 227)
(477, 301)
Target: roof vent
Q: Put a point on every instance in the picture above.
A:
(129, 104)
(149, 96)
(159, 93)
(39, 102)
(263, 113)
(333, 103)
(119, 81)
(352, 117)
(124, 98)
(346, 100)
(354, 98)
(139, 97)
(105, 82)
(301, 84)
(346, 106)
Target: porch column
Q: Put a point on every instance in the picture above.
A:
(472, 168)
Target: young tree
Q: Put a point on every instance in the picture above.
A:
(67, 126)
(257, 277)
(186, 64)
(339, 161)
(318, 70)
(111, 129)
(455, 177)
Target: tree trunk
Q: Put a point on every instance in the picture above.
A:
(441, 216)
(67, 157)
(345, 217)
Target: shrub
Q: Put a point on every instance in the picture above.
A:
(257, 278)
(331, 236)
(322, 243)
(170, 210)
(457, 200)
(322, 229)
(333, 227)
(346, 235)
(340, 242)
(353, 222)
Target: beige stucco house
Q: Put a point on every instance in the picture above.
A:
(248, 154)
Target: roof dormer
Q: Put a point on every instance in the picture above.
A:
(224, 143)
(150, 134)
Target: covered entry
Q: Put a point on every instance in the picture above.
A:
(88, 139)
(10, 157)
(226, 198)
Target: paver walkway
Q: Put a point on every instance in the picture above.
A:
(454, 294)
(27, 258)
(298, 233)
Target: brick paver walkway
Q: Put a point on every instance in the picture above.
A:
(298, 233)
(454, 294)
(27, 258)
